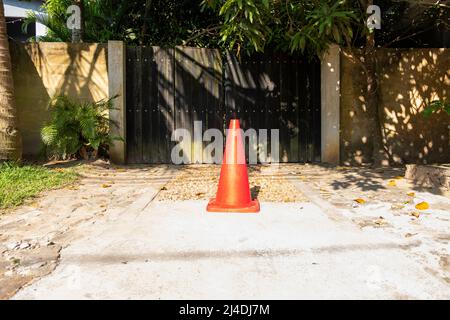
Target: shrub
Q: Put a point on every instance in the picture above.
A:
(77, 129)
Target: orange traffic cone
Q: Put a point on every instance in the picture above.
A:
(233, 194)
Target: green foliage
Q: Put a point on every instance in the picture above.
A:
(20, 182)
(75, 126)
(152, 22)
(103, 20)
(306, 26)
(436, 107)
(309, 26)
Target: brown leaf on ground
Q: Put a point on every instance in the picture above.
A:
(409, 235)
(106, 185)
(415, 214)
(360, 201)
(397, 206)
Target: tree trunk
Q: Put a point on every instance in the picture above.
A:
(10, 142)
(148, 5)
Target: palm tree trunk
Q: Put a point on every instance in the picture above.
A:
(10, 141)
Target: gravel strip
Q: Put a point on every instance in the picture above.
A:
(199, 182)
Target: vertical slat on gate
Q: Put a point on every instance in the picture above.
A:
(182, 95)
(288, 74)
(130, 57)
(308, 118)
(284, 115)
(303, 125)
(316, 105)
(249, 108)
(293, 108)
(274, 99)
(267, 119)
(147, 82)
(213, 113)
(164, 121)
(134, 105)
(139, 110)
(157, 87)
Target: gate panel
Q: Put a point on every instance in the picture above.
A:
(198, 95)
(150, 106)
(277, 91)
(169, 89)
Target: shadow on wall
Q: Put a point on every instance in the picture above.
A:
(409, 80)
(44, 70)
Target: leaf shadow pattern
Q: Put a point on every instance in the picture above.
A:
(366, 179)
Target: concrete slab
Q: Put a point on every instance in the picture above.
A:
(175, 250)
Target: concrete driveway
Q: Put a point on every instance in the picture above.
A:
(175, 250)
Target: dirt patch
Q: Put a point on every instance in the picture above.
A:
(199, 182)
(32, 235)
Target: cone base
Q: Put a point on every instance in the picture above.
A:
(251, 207)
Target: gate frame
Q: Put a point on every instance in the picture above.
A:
(330, 102)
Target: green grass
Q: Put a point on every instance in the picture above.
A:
(21, 182)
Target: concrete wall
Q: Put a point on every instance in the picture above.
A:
(330, 93)
(43, 70)
(410, 79)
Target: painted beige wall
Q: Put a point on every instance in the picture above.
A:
(410, 79)
(43, 70)
(330, 110)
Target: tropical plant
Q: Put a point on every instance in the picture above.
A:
(10, 143)
(287, 25)
(436, 107)
(151, 22)
(77, 128)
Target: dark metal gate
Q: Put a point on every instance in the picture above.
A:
(169, 89)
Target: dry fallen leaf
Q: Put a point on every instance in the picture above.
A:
(121, 170)
(392, 183)
(415, 214)
(106, 185)
(397, 206)
(411, 194)
(360, 201)
(380, 221)
(409, 235)
(422, 206)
